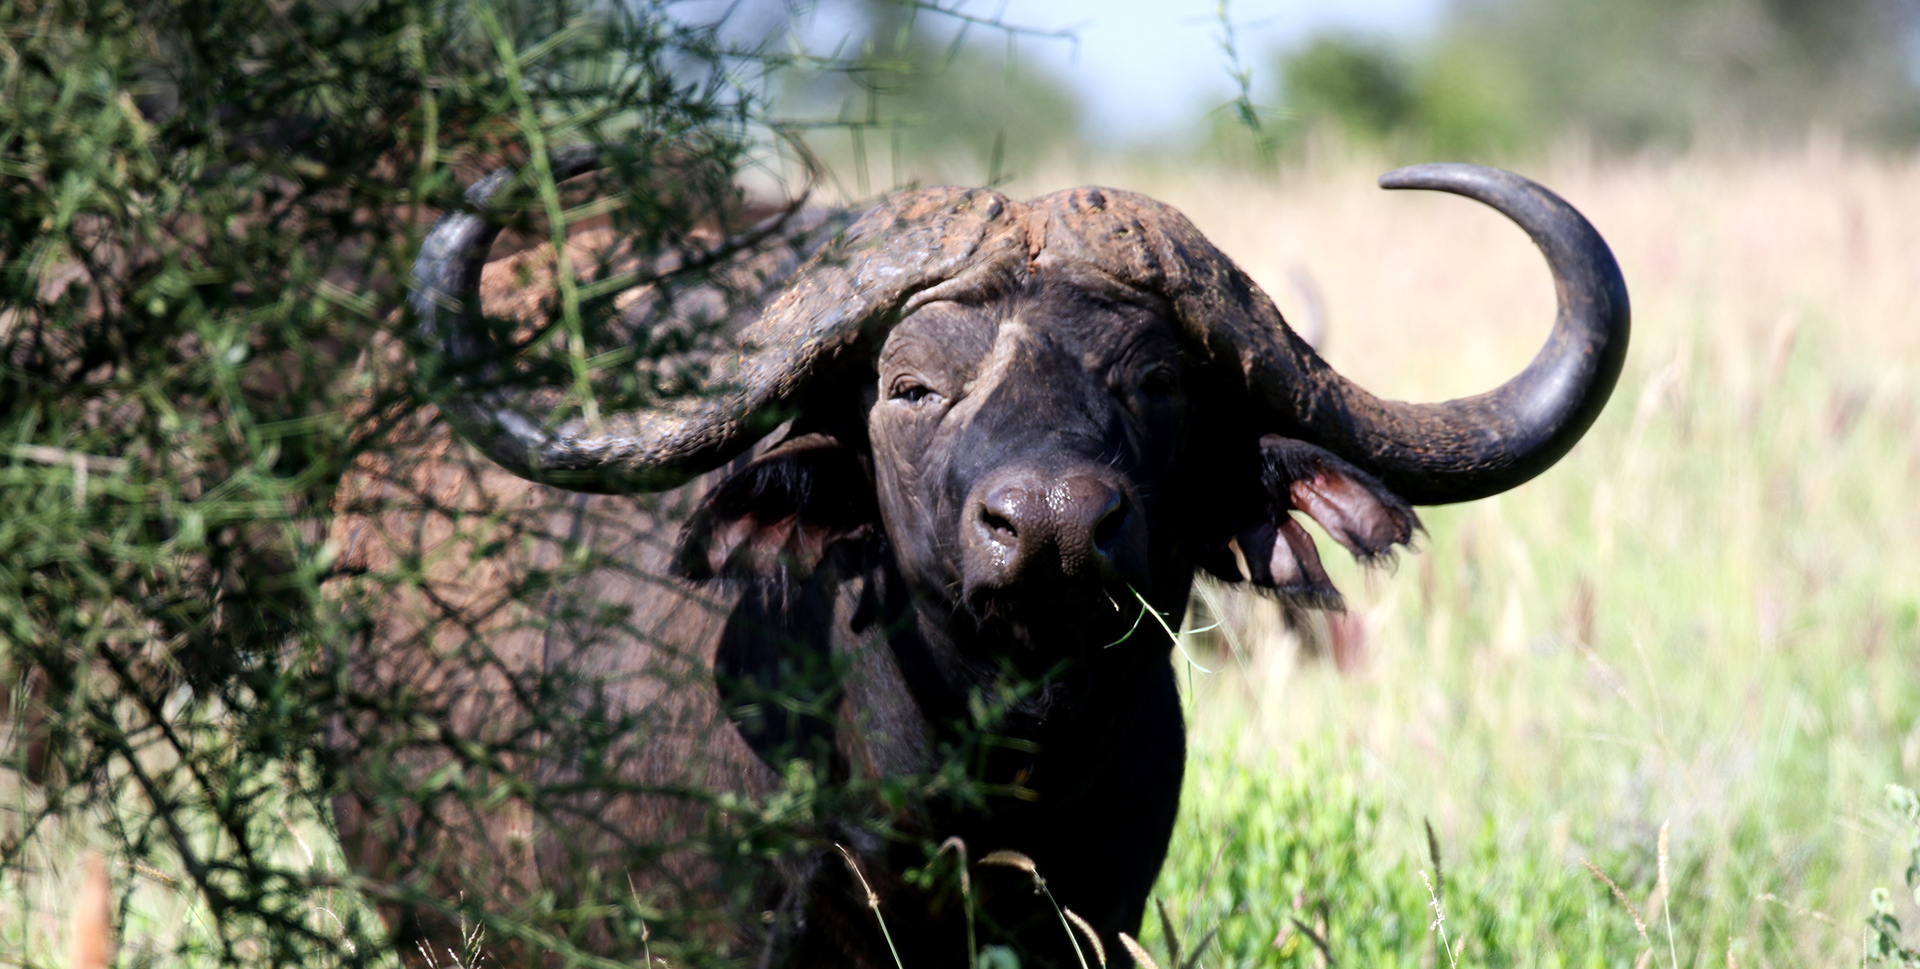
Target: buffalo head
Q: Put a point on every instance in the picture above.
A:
(1051, 404)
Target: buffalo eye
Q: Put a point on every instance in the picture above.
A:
(911, 391)
(1161, 381)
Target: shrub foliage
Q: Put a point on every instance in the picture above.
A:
(208, 213)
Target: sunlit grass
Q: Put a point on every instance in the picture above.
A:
(1704, 617)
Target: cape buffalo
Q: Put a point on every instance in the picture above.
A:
(1005, 429)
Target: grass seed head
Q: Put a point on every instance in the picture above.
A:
(1099, 948)
(1138, 952)
(1014, 859)
(1639, 923)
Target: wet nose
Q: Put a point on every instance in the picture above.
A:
(1070, 524)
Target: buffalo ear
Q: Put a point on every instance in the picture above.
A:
(1353, 506)
(1278, 554)
(777, 517)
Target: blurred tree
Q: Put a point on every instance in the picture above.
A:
(1637, 72)
(1510, 75)
(1360, 83)
(1471, 100)
(951, 102)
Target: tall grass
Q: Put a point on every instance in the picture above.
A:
(1704, 618)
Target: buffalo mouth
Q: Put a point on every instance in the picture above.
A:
(1057, 618)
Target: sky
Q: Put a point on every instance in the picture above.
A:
(1143, 67)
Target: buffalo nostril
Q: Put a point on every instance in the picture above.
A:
(998, 526)
(1006, 512)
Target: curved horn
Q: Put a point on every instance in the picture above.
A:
(1429, 454)
(1460, 450)
(843, 297)
(446, 306)
(1477, 446)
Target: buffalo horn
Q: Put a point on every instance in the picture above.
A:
(843, 299)
(1469, 448)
